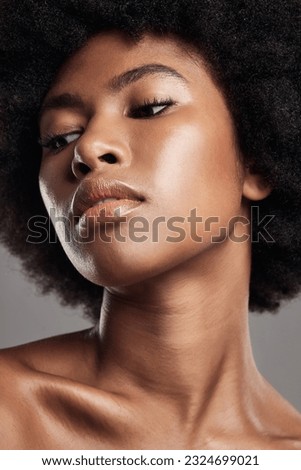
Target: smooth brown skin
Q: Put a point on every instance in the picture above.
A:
(172, 366)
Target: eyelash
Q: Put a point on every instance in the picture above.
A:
(147, 104)
(51, 141)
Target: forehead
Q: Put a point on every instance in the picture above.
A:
(111, 53)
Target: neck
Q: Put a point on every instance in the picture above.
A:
(184, 334)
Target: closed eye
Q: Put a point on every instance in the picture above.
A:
(150, 108)
(56, 143)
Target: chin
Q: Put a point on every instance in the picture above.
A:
(114, 265)
(122, 278)
(119, 269)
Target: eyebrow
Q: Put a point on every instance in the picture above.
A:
(63, 101)
(116, 84)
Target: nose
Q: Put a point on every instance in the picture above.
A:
(97, 148)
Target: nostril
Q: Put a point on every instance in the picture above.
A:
(83, 168)
(108, 158)
(80, 168)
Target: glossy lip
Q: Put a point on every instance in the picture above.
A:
(86, 201)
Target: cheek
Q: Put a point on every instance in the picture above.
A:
(56, 189)
(56, 180)
(194, 166)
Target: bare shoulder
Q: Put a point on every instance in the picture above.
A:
(290, 436)
(56, 355)
(282, 420)
(25, 370)
(11, 383)
(291, 420)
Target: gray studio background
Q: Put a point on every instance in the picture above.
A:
(26, 316)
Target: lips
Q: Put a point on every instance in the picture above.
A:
(103, 198)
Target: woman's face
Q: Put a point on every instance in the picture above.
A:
(144, 126)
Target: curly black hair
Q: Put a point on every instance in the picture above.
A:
(252, 48)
